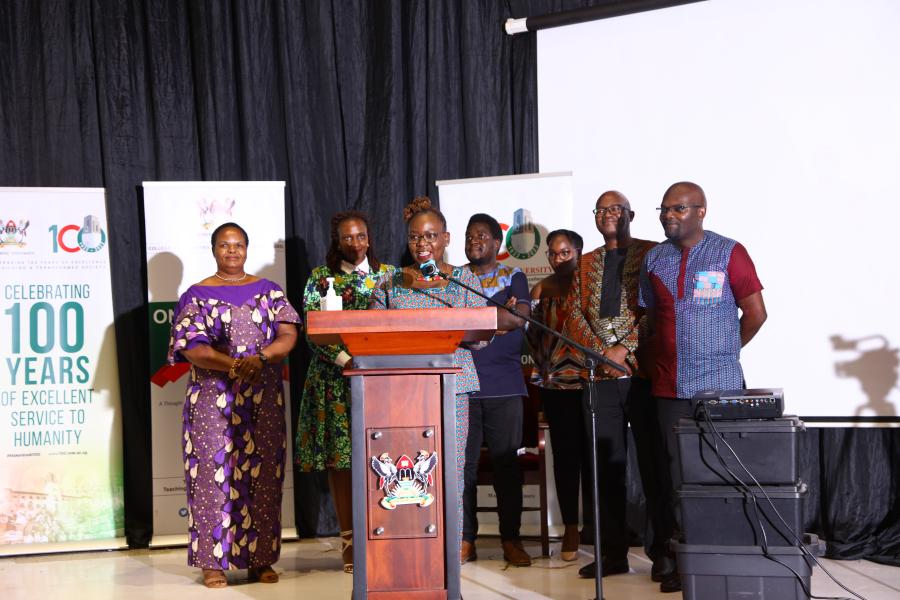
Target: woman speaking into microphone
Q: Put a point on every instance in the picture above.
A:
(420, 285)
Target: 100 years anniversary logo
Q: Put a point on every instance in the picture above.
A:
(47, 371)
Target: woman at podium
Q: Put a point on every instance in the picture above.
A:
(235, 329)
(323, 429)
(427, 238)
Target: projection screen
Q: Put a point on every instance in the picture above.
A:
(787, 113)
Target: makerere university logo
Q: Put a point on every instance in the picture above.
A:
(14, 233)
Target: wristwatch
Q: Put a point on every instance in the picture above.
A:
(263, 358)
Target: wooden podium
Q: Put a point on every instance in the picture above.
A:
(403, 419)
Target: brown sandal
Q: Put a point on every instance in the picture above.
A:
(569, 550)
(213, 578)
(347, 550)
(263, 574)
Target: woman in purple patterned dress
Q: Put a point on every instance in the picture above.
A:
(235, 329)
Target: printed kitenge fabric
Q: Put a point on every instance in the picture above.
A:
(391, 294)
(497, 280)
(233, 435)
(499, 364)
(693, 294)
(556, 364)
(586, 326)
(323, 427)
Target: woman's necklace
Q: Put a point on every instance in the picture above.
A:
(232, 279)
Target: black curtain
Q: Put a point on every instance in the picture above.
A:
(854, 490)
(355, 105)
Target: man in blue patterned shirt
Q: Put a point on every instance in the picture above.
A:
(704, 302)
(496, 411)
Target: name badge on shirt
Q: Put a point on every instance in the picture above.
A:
(708, 287)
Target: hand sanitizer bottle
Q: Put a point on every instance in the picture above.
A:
(331, 301)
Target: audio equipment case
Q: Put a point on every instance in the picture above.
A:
(710, 572)
(727, 515)
(768, 448)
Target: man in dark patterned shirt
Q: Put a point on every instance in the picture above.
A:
(693, 285)
(605, 317)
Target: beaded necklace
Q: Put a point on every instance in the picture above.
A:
(231, 279)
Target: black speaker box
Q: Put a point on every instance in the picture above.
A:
(767, 448)
(744, 573)
(728, 516)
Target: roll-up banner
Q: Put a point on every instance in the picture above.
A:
(60, 430)
(528, 207)
(179, 219)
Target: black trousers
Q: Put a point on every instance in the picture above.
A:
(571, 463)
(497, 424)
(669, 411)
(620, 402)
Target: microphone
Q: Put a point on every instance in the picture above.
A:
(429, 269)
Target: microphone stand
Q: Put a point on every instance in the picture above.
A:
(589, 401)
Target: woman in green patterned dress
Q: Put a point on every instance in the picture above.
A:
(323, 430)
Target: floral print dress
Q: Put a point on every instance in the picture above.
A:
(323, 428)
(233, 434)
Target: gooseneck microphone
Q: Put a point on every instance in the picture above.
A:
(430, 269)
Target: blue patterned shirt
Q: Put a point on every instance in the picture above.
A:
(693, 294)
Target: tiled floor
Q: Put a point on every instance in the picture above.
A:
(311, 570)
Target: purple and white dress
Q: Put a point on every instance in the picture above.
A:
(233, 434)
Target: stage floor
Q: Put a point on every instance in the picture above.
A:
(312, 569)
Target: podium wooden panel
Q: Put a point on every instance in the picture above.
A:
(403, 401)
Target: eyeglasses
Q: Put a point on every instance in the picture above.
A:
(429, 236)
(563, 254)
(615, 210)
(479, 237)
(679, 209)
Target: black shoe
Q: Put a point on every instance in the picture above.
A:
(610, 567)
(662, 566)
(670, 583)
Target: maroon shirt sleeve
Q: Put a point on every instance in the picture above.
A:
(742, 274)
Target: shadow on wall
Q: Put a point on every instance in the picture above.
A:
(164, 274)
(873, 362)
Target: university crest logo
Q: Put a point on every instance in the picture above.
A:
(406, 481)
(14, 234)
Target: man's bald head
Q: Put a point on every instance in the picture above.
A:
(614, 197)
(681, 213)
(688, 191)
(612, 216)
